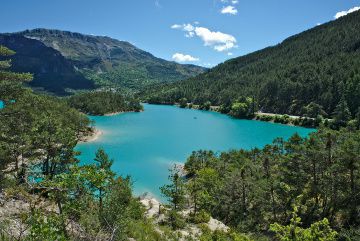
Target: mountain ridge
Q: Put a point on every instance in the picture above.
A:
(105, 61)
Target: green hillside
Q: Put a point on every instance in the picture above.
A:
(319, 65)
(89, 61)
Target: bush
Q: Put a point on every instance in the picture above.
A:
(218, 235)
(265, 117)
(278, 119)
(349, 234)
(183, 103)
(143, 230)
(320, 230)
(201, 217)
(176, 220)
(205, 106)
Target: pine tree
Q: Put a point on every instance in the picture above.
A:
(175, 191)
(342, 113)
(10, 82)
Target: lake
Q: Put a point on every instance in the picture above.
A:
(145, 145)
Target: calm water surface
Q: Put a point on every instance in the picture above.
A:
(145, 145)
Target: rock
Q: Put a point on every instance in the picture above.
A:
(214, 224)
(152, 206)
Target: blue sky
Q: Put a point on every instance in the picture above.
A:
(202, 32)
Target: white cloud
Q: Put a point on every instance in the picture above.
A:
(189, 34)
(344, 13)
(176, 26)
(229, 10)
(218, 40)
(188, 27)
(234, 1)
(229, 54)
(178, 57)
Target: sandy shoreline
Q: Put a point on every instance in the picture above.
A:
(115, 113)
(95, 134)
(122, 112)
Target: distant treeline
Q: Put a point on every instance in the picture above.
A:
(103, 102)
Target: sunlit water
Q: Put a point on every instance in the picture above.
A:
(145, 145)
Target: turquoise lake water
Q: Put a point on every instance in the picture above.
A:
(145, 145)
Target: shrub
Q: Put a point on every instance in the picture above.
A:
(201, 217)
(205, 106)
(183, 102)
(176, 220)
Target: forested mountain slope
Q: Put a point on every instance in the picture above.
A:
(319, 65)
(51, 70)
(89, 60)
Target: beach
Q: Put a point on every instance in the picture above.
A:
(93, 136)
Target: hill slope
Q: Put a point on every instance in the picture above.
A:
(318, 65)
(101, 60)
(52, 71)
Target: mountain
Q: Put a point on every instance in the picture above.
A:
(52, 71)
(317, 68)
(62, 60)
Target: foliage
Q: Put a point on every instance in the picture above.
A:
(251, 189)
(218, 235)
(183, 102)
(46, 227)
(205, 106)
(201, 217)
(10, 81)
(103, 102)
(342, 113)
(313, 110)
(316, 232)
(243, 108)
(174, 191)
(92, 196)
(175, 220)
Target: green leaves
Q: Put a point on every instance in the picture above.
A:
(318, 231)
(10, 87)
(46, 227)
(251, 189)
(342, 113)
(4, 51)
(103, 102)
(243, 108)
(175, 191)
